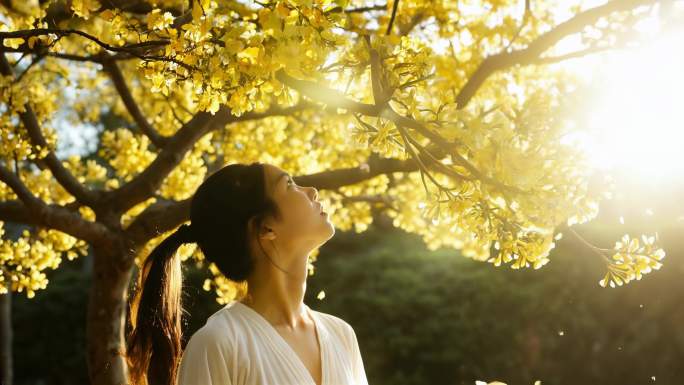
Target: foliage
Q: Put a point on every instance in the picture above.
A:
(313, 86)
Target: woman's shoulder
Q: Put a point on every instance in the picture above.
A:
(334, 322)
(210, 353)
(340, 328)
(221, 327)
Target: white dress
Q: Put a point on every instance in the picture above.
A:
(238, 346)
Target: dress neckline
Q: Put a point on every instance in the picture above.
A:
(319, 333)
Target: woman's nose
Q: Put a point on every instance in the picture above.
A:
(315, 193)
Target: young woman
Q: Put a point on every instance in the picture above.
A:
(258, 227)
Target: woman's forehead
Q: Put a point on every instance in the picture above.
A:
(273, 174)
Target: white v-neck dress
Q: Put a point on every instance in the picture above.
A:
(238, 346)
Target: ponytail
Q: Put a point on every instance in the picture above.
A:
(220, 212)
(153, 348)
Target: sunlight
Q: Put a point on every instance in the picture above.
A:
(635, 120)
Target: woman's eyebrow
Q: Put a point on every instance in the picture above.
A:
(280, 177)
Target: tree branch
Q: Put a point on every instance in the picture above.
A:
(526, 12)
(157, 219)
(167, 215)
(147, 182)
(15, 211)
(35, 211)
(394, 14)
(63, 176)
(325, 95)
(120, 84)
(339, 100)
(96, 58)
(405, 29)
(382, 92)
(528, 55)
(380, 7)
(129, 49)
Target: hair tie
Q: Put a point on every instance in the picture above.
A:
(185, 233)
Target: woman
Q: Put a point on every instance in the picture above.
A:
(258, 227)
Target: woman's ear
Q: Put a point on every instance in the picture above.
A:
(267, 233)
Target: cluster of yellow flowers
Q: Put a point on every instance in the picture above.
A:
(24, 261)
(632, 259)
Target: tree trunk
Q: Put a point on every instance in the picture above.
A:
(6, 364)
(107, 317)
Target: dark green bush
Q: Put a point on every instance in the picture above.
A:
(439, 318)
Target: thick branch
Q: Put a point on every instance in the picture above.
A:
(325, 95)
(382, 92)
(146, 183)
(405, 29)
(334, 179)
(530, 54)
(15, 211)
(157, 219)
(380, 7)
(19, 189)
(63, 176)
(337, 99)
(165, 216)
(35, 211)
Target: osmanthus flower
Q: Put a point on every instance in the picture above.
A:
(632, 260)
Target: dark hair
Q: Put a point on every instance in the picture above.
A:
(225, 210)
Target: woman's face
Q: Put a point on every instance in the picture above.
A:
(303, 225)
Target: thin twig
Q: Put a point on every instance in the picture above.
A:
(394, 13)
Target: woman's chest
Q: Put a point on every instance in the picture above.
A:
(265, 360)
(308, 349)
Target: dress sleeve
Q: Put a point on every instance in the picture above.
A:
(356, 360)
(204, 361)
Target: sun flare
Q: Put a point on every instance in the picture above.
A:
(635, 121)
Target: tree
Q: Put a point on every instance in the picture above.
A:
(352, 98)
